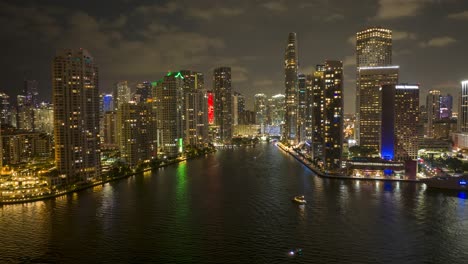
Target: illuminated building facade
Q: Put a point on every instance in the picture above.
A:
(211, 111)
(276, 110)
(302, 100)
(121, 94)
(167, 102)
(75, 93)
(5, 109)
(143, 92)
(260, 108)
(333, 114)
(406, 116)
(318, 104)
(446, 105)
(433, 110)
(370, 82)
(223, 102)
(463, 108)
(44, 118)
(291, 89)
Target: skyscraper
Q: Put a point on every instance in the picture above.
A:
(302, 100)
(75, 93)
(318, 104)
(433, 110)
(374, 47)
(222, 102)
(333, 114)
(446, 104)
(291, 87)
(406, 118)
(5, 109)
(463, 108)
(370, 82)
(121, 94)
(167, 102)
(143, 92)
(260, 107)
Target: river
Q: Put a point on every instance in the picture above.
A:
(234, 206)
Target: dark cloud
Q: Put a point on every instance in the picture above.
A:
(141, 40)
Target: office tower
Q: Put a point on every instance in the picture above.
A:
(143, 92)
(194, 108)
(433, 110)
(44, 118)
(109, 130)
(374, 47)
(107, 103)
(222, 102)
(446, 104)
(30, 90)
(75, 93)
(309, 109)
(370, 81)
(167, 103)
(121, 94)
(25, 113)
(5, 110)
(333, 114)
(463, 108)
(260, 103)
(136, 141)
(238, 107)
(277, 109)
(406, 118)
(400, 113)
(318, 104)
(291, 87)
(211, 111)
(301, 107)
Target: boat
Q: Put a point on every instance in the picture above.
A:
(299, 199)
(294, 252)
(447, 182)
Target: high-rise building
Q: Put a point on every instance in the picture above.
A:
(369, 86)
(107, 103)
(463, 108)
(302, 101)
(309, 114)
(137, 142)
(276, 109)
(222, 102)
(318, 104)
(238, 107)
(333, 114)
(109, 130)
(121, 94)
(400, 113)
(194, 108)
(143, 92)
(260, 107)
(291, 88)
(5, 109)
(31, 92)
(44, 118)
(446, 104)
(374, 47)
(75, 93)
(433, 110)
(25, 113)
(167, 102)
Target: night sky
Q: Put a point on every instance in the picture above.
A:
(141, 40)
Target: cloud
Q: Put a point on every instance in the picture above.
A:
(461, 16)
(263, 83)
(334, 17)
(239, 74)
(391, 9)
(446, 84)
(403, 35)
(349, 61)
(277, 6)
(438, 42)
(210, 13)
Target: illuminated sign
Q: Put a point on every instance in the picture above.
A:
(210, 109)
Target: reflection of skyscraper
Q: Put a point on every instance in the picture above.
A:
(370, 81)
(76, 115)
(291, 86)
(222, 102)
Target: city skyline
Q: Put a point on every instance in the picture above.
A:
(134, 41)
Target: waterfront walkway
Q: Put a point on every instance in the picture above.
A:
(320, 173)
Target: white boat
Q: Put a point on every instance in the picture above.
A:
(299, 199)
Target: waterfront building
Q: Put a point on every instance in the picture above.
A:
(75, 93)
(238, 107)
(291, 89)
(137, 142)
(276, 110)
(318, 104)
(222, 102)
(302, 101)
(369, 109)
(109, 130)
(167, 104)
(463, 108)
(260, 109)
(433, 110)
(20, 146)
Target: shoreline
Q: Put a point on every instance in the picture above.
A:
(90, 185)
(319, 173)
